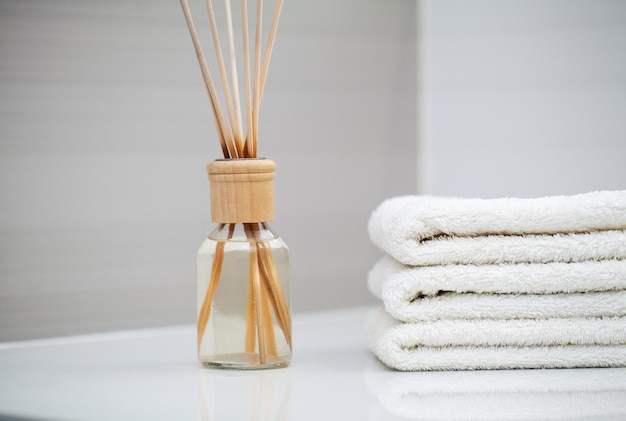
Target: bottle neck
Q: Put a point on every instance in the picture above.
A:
(243, 232)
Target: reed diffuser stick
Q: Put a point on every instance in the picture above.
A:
(256, 99)
(248, 87)
(250, 318)
(239, 139)
(260, 302)
(267, 322)
(243, 146)
(256, 288)
(224, 134)
(216, 273)
(224, 78)
(270, 44)
(272, 280)
(205, 310)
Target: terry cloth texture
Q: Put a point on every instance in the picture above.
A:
(498, 344)
(418, 230)
(505, 291)
(500, 283)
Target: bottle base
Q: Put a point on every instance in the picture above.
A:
(245, 361)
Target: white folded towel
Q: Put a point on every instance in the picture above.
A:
(424, 230)
(505, 291)
(564, 394)
(497, 344)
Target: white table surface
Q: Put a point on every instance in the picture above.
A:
(153, 374)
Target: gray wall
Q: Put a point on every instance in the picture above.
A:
(522, 97)
(105, 131)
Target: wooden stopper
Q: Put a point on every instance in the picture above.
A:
(242, 190)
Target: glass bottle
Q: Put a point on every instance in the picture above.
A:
(243, 279)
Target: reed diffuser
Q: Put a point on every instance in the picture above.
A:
(244, 310)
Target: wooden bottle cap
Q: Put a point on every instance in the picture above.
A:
(242, 190)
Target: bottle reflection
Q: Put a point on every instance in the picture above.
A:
(242, 395)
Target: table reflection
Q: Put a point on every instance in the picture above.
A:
(555, 394)
(245, 395)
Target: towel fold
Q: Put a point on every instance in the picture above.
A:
(505, 291)
(497, 344)
(501, 283)
(422, 230)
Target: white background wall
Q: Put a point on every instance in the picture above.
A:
(105, 130)
(522, 97)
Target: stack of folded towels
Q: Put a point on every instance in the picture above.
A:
(500, 283)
